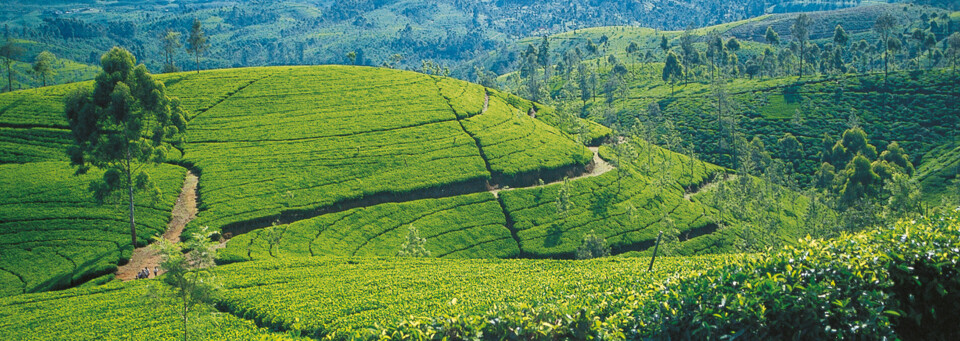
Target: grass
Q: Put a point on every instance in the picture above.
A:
(48, 216)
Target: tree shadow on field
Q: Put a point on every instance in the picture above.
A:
(554, 236)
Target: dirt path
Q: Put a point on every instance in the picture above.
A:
(183, 212)
(599, 168)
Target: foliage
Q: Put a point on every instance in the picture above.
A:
(342, 298)
(593, 247)
(413, 247)
(43, 65)
(197, 41)
(121, 125)
(114, 311)
(897, 282)
(185, 270)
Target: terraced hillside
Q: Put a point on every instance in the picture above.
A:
(115, 311)
(284, 144)
(52, 233)
(303, 139)
(336, 297)
(627, 206)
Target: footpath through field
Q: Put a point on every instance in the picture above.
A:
(183, 212)
(599, 168)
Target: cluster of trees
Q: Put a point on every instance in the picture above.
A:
(196, 45)
(928, 45)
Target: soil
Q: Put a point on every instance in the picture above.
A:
(183, 212)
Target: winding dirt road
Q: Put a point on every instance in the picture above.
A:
(183, 212)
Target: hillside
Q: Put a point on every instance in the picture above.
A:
(613, 40)
(857, 286)
(293, 32)
(56, 236)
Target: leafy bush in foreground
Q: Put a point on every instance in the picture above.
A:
(898, 282)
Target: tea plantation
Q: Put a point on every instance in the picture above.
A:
(114, 311)
(467, 226)
(55, 236)
(340, 297)
(885, 282)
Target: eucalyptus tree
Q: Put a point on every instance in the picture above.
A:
(123, 124)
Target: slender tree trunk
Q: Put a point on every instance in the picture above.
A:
(9, 76)
(184, 319)
(198, 63)
(133, 225)
(801, 59)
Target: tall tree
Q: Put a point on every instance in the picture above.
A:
(543, 53)
(10, 51)
(801, 32)
(883, 26)
(124, 123)
(672, 69)
(664, 44)
(197, 42)
(772, 37)
(171, 43)
(954, 43)
(840, 38)
(43, 65)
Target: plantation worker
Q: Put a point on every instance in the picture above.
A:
(156, 271)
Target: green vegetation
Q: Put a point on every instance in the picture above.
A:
(384, 133)
(124, 123)
(115, 311)
(56, 236)
(892, 283)
(340, 298)
(467, 226)
(627, 216)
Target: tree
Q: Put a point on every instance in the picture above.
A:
(593, 246)
(632, 49)
(894, 45)
(543, 54)
(904, 200)
(414, 246)
(171, 43)
(10, 51)
(43, 65)
(197, 41)
(840, 38)
(352, 56)
(883, 26)
(193, 285)
(954, 42)
(672, 69)
(772, 37)
(563, 202)
(664, 44)
(124, 123)
(801, 32)
(624, 155)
